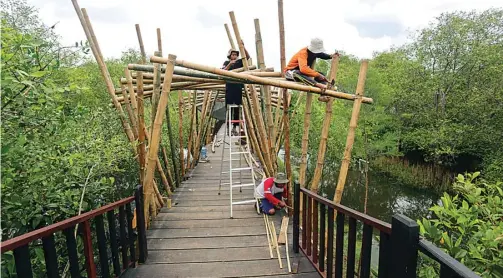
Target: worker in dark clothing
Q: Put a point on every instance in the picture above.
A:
(233, 91)
(299, 67)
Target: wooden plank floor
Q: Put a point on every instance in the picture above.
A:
(197, 238)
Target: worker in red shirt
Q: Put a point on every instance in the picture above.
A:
(300, 69)
(272, 192)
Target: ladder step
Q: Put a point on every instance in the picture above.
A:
(237, 170)
(234, 159)
(244, 202)
(238, 137)
(242, 185)
(238, 152)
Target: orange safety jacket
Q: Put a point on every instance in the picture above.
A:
(302, 61)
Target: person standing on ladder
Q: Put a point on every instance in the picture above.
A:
(272, 193)
(233, 91)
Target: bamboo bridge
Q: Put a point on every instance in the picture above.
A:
(176, 225)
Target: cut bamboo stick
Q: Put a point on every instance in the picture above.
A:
(287, 247)
(268, 236)
(351, 133)
(275, 240)
(324, 131)
(283, 230)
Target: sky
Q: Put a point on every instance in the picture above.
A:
(194, 29)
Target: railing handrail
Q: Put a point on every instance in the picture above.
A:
(444, 259)
(374, 222)
(24, 239)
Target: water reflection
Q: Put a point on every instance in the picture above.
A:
(385, 196)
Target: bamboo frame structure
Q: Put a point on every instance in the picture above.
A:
(265, 90)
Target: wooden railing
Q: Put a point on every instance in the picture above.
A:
(127, 241)
(399, 242)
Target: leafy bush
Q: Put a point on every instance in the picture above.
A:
(469, 226)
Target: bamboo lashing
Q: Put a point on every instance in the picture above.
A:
(351, 133)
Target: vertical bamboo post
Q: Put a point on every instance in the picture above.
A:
(129, 110)
(168, 171)
(266, 93)
(231, 41)
(131, 90)
(93, 42)
(324, 131)
(140, 41)
(305, 136)
(260, 65)
(156, 128)
(197, 147)
(180, 133)
(159, 41)
(255, 107)
(141, 142)
(157, 87)
(286, 104)
(191, 138)
(172, 146)
(351, 133)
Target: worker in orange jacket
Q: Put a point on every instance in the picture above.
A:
(299, 67)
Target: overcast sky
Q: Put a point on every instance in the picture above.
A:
(194, 29)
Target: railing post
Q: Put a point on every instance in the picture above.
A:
(296, 216)
(140, 220)
(404, 246)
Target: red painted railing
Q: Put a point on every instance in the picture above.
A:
(130, 238)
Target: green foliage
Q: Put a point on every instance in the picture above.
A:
(468, 226)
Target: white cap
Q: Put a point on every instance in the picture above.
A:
(316, 45)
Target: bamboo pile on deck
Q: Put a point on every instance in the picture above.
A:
(266, 102)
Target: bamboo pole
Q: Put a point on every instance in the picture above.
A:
(159, 41)
(156, 128)
(263, 81)
(177, 179)
(351, 133)
(168, 171)
(254, 99)
(131, 91)
(191, 127)
(251, 70)
(324, 131)
(286, 104)
(231, 41)
(140, 41)
(180, 132)
(129, 110)
(261, 65)
(253, 136)
(305, 136)
(142, 146)
(93, 42)
(201, 125)
(157, 87)
(267, 95)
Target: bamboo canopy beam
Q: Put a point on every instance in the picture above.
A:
(262, 80)
(150, 69)
(351, 133)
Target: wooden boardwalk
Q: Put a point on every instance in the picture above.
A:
(197, 238)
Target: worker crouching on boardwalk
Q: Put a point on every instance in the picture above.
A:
(271, 193)
(233, 91)
(300, 66)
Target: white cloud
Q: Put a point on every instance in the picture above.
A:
(194, 29)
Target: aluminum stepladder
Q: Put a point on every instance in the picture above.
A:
(232, 157)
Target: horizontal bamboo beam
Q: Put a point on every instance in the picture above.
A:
(261, 80)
